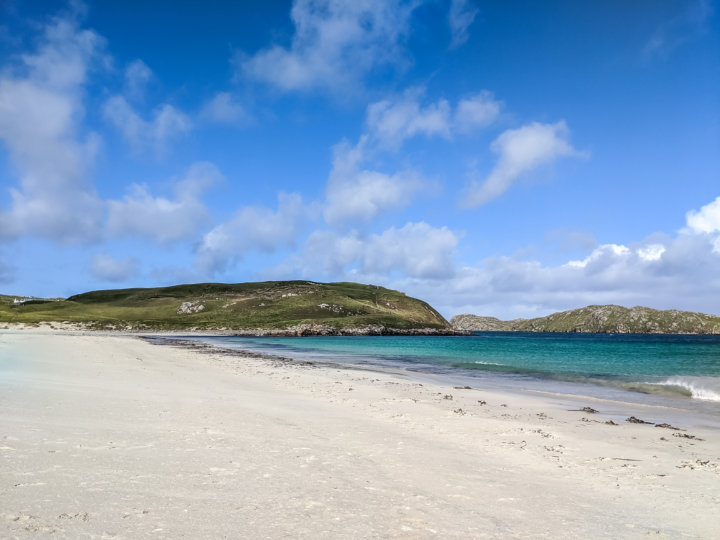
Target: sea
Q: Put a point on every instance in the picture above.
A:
(651, 369)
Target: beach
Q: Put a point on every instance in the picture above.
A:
(109, 436)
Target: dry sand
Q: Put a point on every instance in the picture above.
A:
(112, 437)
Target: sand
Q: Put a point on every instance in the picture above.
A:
(108, 436)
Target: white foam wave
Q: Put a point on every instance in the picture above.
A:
(705, 388)
(487, 363)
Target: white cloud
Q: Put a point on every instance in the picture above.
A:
(680, 274)
(606, 251)
(392, 121)
(477, 111)
(223, 109)
(651, 252)
(661, 272)
(520, 151)
(163, 219)
(104, 267)
(64, 55)
(167, 123)
(40, 109)
(137, 75)
(706, 221)
(416, 250)
(460, 17)
(355, 195)
(335, 44)
(252, 228)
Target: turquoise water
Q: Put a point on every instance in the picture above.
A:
(680, 366)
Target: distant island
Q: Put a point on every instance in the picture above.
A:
(265, 308)
(608, 319)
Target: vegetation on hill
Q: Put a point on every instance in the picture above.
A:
(600, 319)
(243, 306)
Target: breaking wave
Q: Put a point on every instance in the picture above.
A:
(705, 388)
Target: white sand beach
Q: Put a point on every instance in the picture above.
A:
(108, 436)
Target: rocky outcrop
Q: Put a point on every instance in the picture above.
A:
(327, 330)
(608, 319)
(477, 323)
(190, 307)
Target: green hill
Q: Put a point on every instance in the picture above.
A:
(600, 319)
(314, 307)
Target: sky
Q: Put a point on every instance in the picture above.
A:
(509, 158)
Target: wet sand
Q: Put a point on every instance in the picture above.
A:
(111, 436)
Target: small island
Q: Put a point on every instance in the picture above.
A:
(608, 319)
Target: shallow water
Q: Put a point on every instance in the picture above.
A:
(639, 368)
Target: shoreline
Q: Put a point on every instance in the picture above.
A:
(107, 435)
(632, 393)
(300, 330)
(314, 330)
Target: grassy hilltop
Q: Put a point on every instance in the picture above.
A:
(608, 319)
(242, 306)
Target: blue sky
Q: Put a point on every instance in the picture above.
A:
(500, 158)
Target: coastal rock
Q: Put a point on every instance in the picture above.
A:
(478, 323)
(301, 330)
(190, 307)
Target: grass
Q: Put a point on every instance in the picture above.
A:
(271, 304)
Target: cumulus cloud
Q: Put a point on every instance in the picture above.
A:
(105, 267)
(222, 108)
(460, 16)
(163, 219)
(664, 272)
(683, 276)
(681, 272)
(706, 221)
(335, 44)
(392, 121)
(416, 250)
(252, 228)
(40, 110)
(520, 151)
(477, 111)
(355, 195)
(137, 75)
(167, 123)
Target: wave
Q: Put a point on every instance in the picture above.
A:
(677, 386)
(705, 388)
